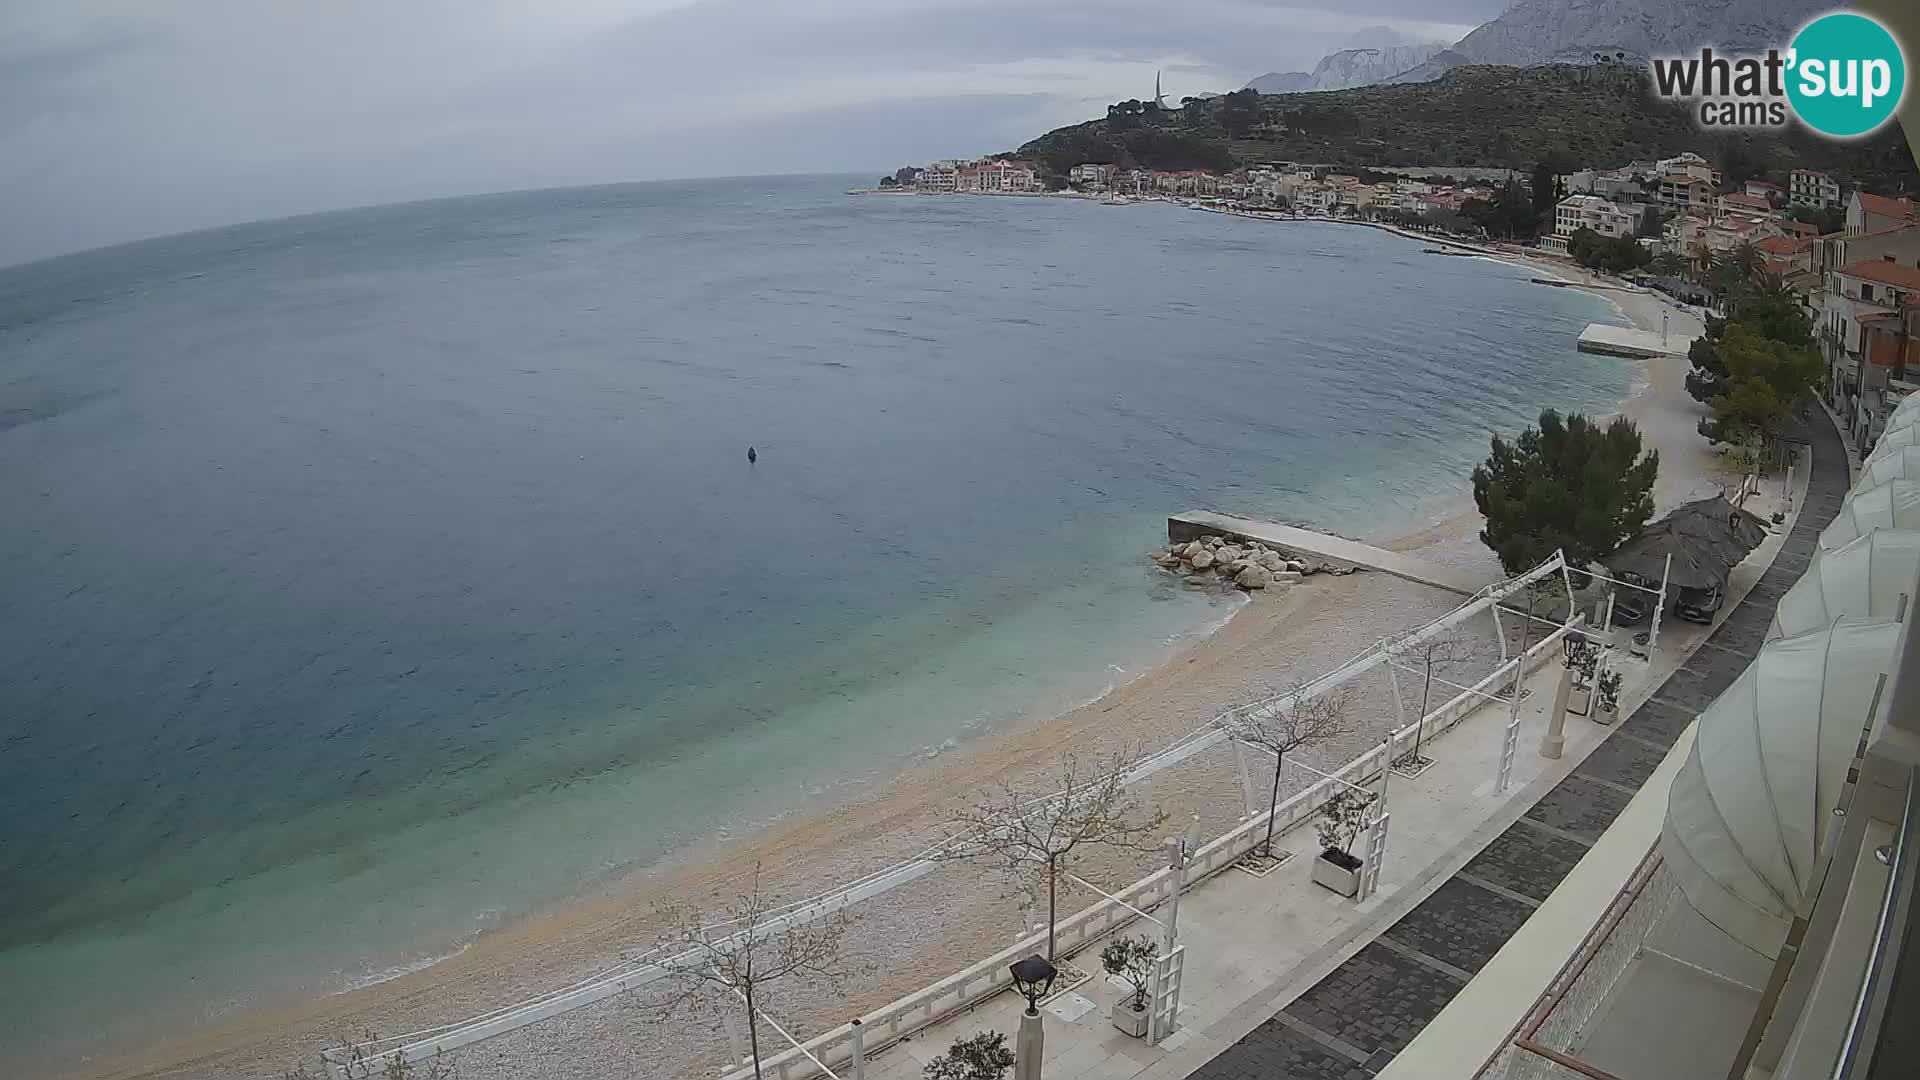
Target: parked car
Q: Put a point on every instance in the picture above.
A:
(1698, 605)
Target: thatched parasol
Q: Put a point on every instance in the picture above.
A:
(1706, 538)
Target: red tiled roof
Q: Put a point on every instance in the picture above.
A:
(1751, 202)
(1800, 228)
(1768, 184)
(1883, 206)
(1784, 245)
(1887, 273)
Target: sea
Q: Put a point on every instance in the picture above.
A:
(374, 577)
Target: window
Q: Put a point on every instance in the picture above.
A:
(1866, 291)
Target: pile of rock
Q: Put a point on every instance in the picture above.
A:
(1220, 560)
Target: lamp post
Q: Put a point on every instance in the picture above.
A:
(1032, 977)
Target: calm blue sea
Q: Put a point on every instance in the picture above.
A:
(374, 576)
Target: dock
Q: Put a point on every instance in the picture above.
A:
(1632, 344)
(1323, 547)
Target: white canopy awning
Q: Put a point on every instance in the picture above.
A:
(1862, 581)
(1897, 463)
(1907, 411)
(1893, 440)
(1892, 505)
(1753, 805)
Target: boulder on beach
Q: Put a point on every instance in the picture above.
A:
(1297, 567)
(1252, 577)
(1271, 561)
(1202, 560)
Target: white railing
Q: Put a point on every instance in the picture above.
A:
(633, 974)
(963, 989)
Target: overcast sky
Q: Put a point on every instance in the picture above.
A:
(129, 118)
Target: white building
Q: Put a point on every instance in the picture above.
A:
(1810, 187)
(1091, 175)
(938, 176)
(1576, 212)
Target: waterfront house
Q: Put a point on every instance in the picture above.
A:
(1091, 175)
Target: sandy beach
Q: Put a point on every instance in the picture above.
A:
(957, 914)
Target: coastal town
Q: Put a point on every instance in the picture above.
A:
(1850, 256)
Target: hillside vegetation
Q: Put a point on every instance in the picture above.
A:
(1588, 116)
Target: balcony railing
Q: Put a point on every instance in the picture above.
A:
(1545, 1044)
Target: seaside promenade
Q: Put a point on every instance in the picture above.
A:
(1287, 981)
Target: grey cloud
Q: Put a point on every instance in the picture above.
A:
(118, 123)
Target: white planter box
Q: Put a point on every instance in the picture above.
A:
(1605, 716)
(1339, 879)
(1128, 1020)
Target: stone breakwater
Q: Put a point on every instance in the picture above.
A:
(1223, 561)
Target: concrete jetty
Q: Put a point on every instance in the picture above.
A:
(1323, 547)
(1633, 344)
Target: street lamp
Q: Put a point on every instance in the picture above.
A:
(1032, 977)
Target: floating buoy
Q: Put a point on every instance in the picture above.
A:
(752, 456)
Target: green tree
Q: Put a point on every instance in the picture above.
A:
(1568, 485)
(1829, 220)
(1708, 377)
(1238, 113)
(1669, 264)
(1614, 254)
(1764, 379)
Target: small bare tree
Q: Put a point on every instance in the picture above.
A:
(1033, 837)
(1443, 652)
(749, 944)
(1287, 722)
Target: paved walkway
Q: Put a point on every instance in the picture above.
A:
(1337, 549)
(1351, 1023)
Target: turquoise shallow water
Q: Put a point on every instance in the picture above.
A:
(378, 575)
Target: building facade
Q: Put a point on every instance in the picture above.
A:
(1810, 187)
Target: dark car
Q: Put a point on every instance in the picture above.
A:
(1698, 605)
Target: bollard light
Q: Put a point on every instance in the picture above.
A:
(1032, 977)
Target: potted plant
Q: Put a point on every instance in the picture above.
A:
(1607, 698)
(1131, 959)
(981, 1056)
(1339, 826)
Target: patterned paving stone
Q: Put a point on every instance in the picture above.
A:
(1692, 689)
(1627, 762)
(1745, 629)
(1461, 924)
(1274, 1051)
(1658, 722)
(1378, 1000)
(1527, 861)
(1580, 807)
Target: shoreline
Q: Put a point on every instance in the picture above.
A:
(555, 943)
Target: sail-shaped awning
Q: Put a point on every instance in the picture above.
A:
(1894, 440)
(1862, 580)
(1752, 807)
(1892, 505)
(1897, 463)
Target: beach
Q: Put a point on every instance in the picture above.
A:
(941, 923)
